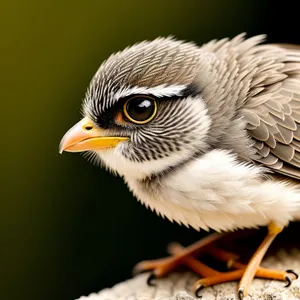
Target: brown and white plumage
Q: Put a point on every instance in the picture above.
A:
(229, 111)
(206, 136)
(265, 80)
(272, 112)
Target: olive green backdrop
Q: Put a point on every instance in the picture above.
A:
(69, 228)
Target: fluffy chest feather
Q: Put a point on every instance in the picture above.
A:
(217, 191)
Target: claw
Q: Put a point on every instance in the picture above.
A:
(198, 289)
(291, 271)
(150, 279)
(289, 281)
(241, 293)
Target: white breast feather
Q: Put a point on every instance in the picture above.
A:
(216, 191)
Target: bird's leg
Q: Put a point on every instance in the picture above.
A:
(253, 265)
(210, 276)
(162, 267)
(288, 276)
(191, 262)
(230, 259)
(210, 279)
(239, 272)
(185, 256)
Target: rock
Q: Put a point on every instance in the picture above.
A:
(179, 286)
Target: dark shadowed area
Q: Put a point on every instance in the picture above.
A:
(68, 228)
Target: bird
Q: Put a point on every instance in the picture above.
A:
(206, 136)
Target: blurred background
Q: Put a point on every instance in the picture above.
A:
(69, 228)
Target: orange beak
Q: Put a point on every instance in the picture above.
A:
(85, 135)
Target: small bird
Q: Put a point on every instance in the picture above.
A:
(206, 136)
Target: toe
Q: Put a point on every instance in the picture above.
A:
(241, 293)
(291, 271)
(198, 288)
(150, 280)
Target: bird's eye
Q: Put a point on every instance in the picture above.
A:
(140, 109)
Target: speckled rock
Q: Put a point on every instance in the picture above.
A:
(179, 286)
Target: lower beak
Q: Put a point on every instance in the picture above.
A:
(85, 136)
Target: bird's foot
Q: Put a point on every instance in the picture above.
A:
(244, 273)
(209, 276)
(288, 276)
(238, 273)
(180, 256)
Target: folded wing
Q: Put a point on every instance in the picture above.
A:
(272, 113)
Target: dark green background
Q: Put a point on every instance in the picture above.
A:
(69, 228)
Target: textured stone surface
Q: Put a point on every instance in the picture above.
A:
(178, 286)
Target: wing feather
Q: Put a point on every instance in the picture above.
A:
(272, 113)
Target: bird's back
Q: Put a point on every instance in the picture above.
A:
(263, 82)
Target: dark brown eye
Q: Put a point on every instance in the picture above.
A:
(140, 109)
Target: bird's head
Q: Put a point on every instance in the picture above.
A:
(143, 111)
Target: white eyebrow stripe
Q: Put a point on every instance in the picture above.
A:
(158, 91)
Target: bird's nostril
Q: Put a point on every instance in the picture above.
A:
(88, 127)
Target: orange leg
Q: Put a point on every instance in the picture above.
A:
(191, 262)
(162, 267)
(238, 274)
(212, 277)
(244, 273)
(253, 265)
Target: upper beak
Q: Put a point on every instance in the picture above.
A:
(85, 136)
